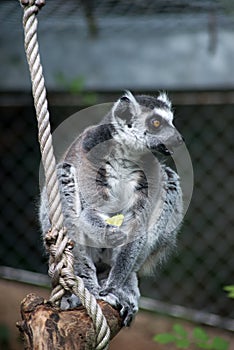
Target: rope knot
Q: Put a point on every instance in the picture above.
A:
(50, 237)
(53, 234)
(59, 246)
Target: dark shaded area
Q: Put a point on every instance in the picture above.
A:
(204, 261)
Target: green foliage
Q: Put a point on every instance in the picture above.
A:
(180, 337)
(230, 291)
(201, 338)
(76, 86)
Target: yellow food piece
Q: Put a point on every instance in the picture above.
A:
(115, 220)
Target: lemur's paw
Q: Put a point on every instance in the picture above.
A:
(127, 308)
(114, 236)
(110, 298)
(128, 311)
(70, 302)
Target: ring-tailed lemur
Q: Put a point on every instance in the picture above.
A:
(113, 169)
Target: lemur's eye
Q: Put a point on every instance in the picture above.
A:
(156, 123)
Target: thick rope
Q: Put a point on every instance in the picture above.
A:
(61, 262)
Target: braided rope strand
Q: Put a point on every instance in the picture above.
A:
(61, 264)
(41, 106)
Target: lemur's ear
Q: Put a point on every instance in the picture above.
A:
(164, 98)
(126, 107)
(134, 105)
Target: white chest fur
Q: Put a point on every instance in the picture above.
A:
(123, 178)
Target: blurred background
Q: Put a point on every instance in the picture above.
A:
(91, 52)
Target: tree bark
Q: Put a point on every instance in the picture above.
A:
(45, 326)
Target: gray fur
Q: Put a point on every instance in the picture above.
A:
(113, 168)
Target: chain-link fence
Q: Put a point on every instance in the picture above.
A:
(143, 45)
(204, 262)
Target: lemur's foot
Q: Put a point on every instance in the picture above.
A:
(127, 305)
(70, 301)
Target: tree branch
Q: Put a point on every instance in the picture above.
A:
(45, 326)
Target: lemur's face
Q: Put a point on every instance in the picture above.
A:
(150, 120)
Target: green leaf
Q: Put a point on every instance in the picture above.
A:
(203, 345)
(164, 338)
(179, 330)
(201, 338)
(229, 290)
(77, 85)
(219, 344)
(200, 335)
(182, 343)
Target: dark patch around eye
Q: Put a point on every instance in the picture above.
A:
(152, 122)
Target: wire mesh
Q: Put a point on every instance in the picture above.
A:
(204, 260)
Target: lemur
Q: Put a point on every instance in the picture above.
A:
(114, 169)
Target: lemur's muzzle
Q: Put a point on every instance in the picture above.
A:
(174, 141)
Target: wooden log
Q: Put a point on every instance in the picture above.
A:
(45, 326)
